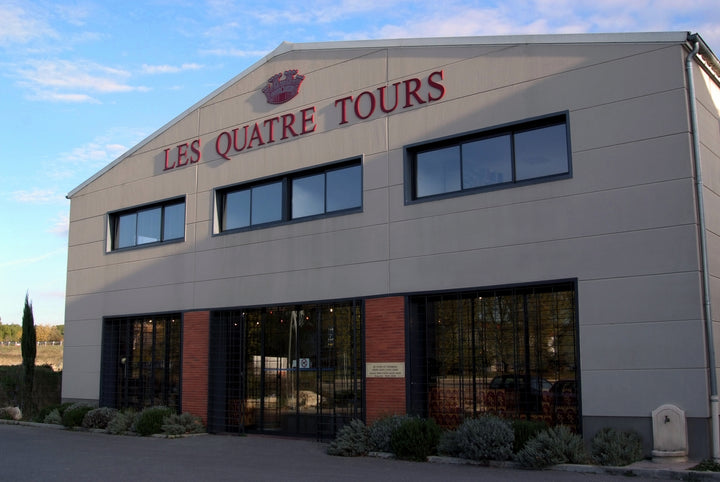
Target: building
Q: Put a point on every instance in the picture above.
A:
(447, 227)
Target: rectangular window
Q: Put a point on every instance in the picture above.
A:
(153, 224)
(141, 362)
(492, 158)
(508, 352)
(306, 194)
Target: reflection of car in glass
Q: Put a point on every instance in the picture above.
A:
(523, 393)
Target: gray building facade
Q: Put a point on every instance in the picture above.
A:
(446, 227)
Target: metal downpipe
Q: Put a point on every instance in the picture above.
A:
(707, 311)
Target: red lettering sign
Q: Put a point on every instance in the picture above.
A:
(228, 143)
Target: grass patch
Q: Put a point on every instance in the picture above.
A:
(46, 355)
(48, 376)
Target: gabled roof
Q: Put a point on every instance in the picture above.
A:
(709, 60)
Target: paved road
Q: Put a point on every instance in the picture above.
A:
(31, 453)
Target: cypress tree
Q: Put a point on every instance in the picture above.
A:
(28, 346)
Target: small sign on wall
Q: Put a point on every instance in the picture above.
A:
(385, 370)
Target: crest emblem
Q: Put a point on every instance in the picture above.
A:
(281, 88)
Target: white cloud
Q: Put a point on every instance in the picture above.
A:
(169, 69)
(20, 26)
(31, 260)
(82, 161)
(232, 52)
(37, 196)
(61, 225)
(72, 81)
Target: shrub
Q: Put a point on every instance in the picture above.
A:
(707, 465)
(10, 413)
(351, 441)
(616, 448)
(525, 430)
(98, 417)
(74, 414)
(121, 422)
(449, 444)
(557, 445)
(382, 429)
(415, 439)
(53, 417)
(485, 438)
(151, 419)
(43, 414)
(182, 424)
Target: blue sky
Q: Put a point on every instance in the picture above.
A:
(82, 81)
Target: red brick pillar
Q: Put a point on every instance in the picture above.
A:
(385, 345)
(196, 348)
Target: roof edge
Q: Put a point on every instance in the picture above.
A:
(285, 47)
(280, 49)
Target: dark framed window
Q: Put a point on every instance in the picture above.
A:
(302, 195)
(141, 361)
(293, 369)
(511, 352)
(152, 224)
(490, 159)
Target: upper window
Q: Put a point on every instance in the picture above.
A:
(152, 224)
(306, 194)
(491, 158)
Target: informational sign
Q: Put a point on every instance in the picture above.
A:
(385, 370)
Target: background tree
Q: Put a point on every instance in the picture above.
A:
(28, 345)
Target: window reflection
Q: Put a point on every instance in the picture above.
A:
(315, 192)
(266, 203)
(438, 171)
(541, 152)
(344, 188)
(510, 352)
(147, 225)
(237, 209)
(308, 195)
(532, 150)
(487, 161)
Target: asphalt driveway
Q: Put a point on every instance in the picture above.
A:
(36, 453)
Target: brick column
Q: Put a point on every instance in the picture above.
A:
(196, 348)
(384, 343)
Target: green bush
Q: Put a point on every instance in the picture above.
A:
(449, 444)
(351, 441)
(706, 465)
(98, 417)
(74, 414)
(525, 430)
(151, 419)
(616, 448)
(121, 422)
(557, 445)
(415, 439)
(485, 438)
(381, 431)
(181, 424)
(53, 417)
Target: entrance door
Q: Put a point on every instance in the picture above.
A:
(287, 371)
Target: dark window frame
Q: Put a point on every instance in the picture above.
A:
(411, 151)
(128, 378)
(423, 366)
(114, 224)
(286, 182)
